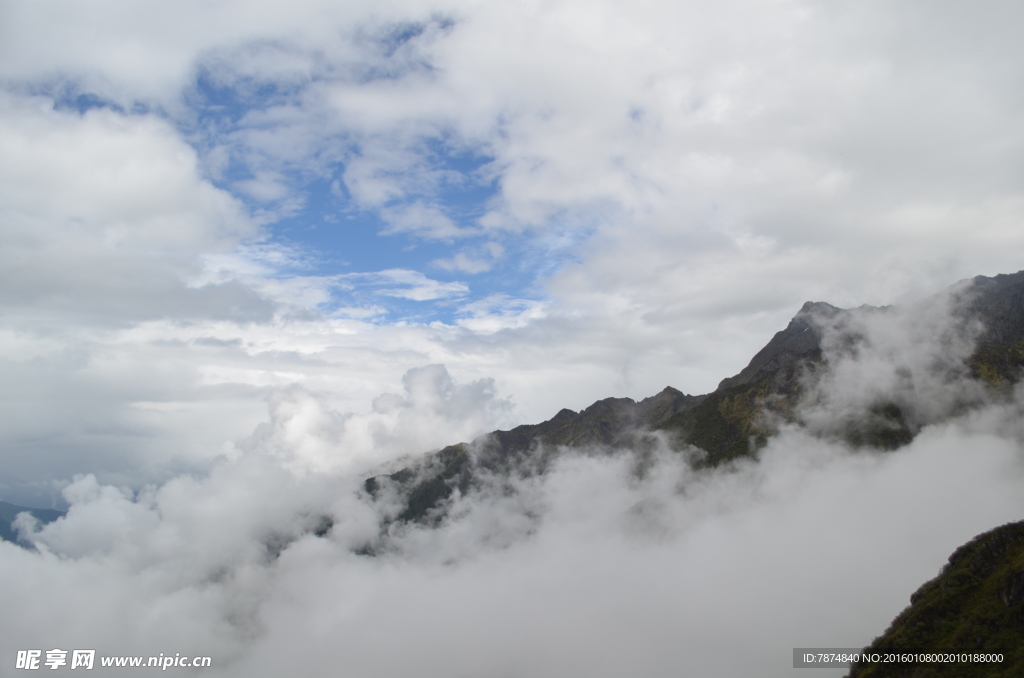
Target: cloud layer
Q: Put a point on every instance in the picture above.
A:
(591, 568)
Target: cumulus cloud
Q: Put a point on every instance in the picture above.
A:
(433, 412)
(105, 215)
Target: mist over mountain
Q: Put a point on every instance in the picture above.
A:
(869, 377)
(799, 504)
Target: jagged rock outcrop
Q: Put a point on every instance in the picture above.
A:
(801, 340)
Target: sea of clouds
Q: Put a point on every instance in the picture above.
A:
(593, 568)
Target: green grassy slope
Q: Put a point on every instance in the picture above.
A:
(975, 605)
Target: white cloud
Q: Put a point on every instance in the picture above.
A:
(433, 413)
(105, 214)
(266, 187)
(498, 312)
(914, 357)
(411, 285)
(426, 220)
(473, 260)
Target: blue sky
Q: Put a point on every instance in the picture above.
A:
(430, 222)
(320, 229)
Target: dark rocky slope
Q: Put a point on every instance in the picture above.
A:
(612, 422)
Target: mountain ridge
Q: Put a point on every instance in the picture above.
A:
(735, 419)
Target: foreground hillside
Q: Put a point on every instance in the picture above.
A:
(975, 605)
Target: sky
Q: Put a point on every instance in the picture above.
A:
(206, 203)
(290, 242)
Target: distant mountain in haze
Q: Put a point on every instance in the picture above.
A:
(8, 512)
